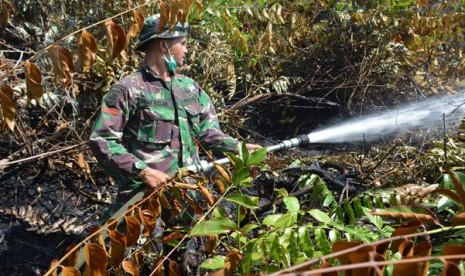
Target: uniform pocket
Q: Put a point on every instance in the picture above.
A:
(194, 112)
(155, 127)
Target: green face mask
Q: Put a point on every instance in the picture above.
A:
(170, 63)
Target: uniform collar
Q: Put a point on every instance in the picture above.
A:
(145, 68)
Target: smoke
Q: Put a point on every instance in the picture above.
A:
(417, 115)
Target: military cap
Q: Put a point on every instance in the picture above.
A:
(150, 31)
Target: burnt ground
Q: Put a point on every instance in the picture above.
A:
(46, 205)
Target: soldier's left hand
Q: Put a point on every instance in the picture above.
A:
(252, 147)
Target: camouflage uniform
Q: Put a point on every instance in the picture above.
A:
(147, 122)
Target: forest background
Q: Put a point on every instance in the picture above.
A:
(274, 69)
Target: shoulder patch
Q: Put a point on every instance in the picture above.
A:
(114, 94)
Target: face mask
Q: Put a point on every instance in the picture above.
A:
(170, 63)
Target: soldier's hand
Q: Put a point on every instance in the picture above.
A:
(252, 147)
(154, 178)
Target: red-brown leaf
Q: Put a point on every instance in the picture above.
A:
(8, 112)
(164, 15)
(117, 247)
(451, 269)
(33, 81)
(232, 261)
(449, 193)
(62, 63)
(342, 245)
(131, 268)
(454, 249)
(210, 243)
(402, 230)
(174, 269)
(187, 9)
(176, 235)
(133, 230)
(149, 220)
(5, 16)
(136, 25)
(97, 238)
(458, 187)
(72, 259)
(422, 249)
(70, 271)
(408, 213)
(116, 39)
(87, 49)
(96, 259)
(458, 219)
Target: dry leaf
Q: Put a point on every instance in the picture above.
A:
(117, 247)
(210, 243)
(33, 81)
(136, 25)
(408, 213)
(62, 63)
(83, 165)
(206, 194)
(133, 230)
(458, 219)
(454, 249)
(72, 259)
(232, 261)
(5, 7)
(451, 269)
(164, 16)
(173, 269)
(70, 271)
(149, 220)
(175, 9)
(187, 9)
(8, 111)
(87, 48)
(96, 259)
(223, 172)
(116, 39)
(131, 268)
(176, 235)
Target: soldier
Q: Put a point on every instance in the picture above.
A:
(149, 119)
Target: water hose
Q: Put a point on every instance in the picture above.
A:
(202, 167)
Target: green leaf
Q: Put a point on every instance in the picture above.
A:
(376, 220)
(322, 241)
(243, 200)
(236, 161)
(249, 227)
(216, 262)
(292, 204)
(243, 153)
(214, 226)
(320, 216)
(257, 156)
(280, 221)
(240, 175)
(358, 207)
(350, 212)
(305, 242)
(282, 192)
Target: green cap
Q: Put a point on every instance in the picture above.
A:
(150, 31)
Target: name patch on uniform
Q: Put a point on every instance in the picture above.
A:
(153, 102)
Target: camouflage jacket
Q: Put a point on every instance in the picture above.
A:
(145, 121)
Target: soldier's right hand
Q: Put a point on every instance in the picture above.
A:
(154, 178)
